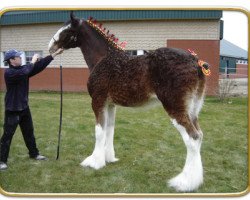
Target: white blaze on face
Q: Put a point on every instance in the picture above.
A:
(56, 36)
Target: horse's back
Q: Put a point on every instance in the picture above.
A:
(173, 69)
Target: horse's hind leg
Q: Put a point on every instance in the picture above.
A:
(97, 159)
(191, 176)
(197, 104)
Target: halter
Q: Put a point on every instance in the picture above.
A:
(75, 39)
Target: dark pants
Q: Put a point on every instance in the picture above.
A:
(11, 121)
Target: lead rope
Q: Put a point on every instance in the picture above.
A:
(61, 104)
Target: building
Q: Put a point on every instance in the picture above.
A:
(233, 61)
(31, 31)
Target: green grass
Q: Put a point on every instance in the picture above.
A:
(150, 149)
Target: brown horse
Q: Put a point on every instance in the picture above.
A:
(173, 76)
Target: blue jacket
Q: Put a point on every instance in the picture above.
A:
(17, 83)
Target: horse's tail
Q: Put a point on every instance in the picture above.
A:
(203, 67)
(203, 71)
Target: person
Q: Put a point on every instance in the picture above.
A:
(17, 110)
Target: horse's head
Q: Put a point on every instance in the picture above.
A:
(68, 36)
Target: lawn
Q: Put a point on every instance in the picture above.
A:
(150, 149)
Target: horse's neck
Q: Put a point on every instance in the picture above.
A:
(94, 47)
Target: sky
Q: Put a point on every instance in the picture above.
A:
(236, 28)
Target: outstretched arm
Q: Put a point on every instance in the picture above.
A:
(40, 65)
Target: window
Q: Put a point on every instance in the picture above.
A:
(241, 62)
(131, 52)
(30, 54)
(135, 52)
(245, 62)
(140, 52)
(3, 64)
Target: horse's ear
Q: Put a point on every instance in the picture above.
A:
(73, 19)
(72, 16)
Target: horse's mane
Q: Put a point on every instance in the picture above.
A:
(106, 34)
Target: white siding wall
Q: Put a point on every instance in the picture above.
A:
(150, 35)
(147, 35)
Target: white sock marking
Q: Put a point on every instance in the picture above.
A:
(97, 159)
(109, 146)
(191, 176)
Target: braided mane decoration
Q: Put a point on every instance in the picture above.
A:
(110, 37)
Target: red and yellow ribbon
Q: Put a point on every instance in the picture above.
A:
(205, 71)
(201, 63)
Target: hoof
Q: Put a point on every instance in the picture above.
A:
(111, 160)
(110, 156)
(184, 183)
(93, 162)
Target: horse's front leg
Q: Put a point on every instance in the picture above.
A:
(109, 146)
(97, 159)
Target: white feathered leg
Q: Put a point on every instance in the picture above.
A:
(109, 145)
(97, 159)
(191, 176)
